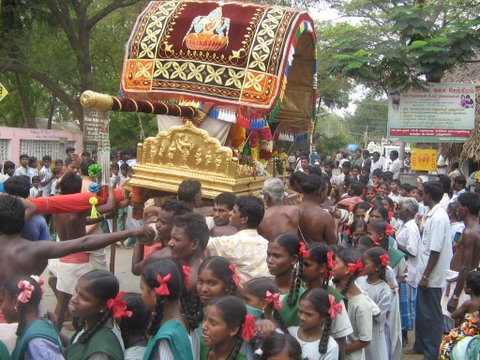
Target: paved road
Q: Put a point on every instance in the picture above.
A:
(130, 282)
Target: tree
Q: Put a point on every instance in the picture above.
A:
(401, 43)
(54, 45)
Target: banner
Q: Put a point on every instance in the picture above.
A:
(440, 112)
(3, 92)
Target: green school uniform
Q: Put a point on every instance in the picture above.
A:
(289, 314)
(39, 328)
(4, 354)
(104, 341)
(177, 338)
(204, 350)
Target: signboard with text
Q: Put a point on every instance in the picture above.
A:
(3, 92)
(440, 112)
(424, 159)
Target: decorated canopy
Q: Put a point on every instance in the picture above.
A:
(255, 63)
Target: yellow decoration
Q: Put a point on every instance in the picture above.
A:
(424, 159)
(94, 213)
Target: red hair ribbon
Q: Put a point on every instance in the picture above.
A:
(26, 290)
(334, 308)
(356, 267)
(302, 251)
(390, 215)
(118, 306)
(235, 276)
(330, 261)
(248, 328)
(162, 289)
(347, 232)
(186, 275)
(351, 208)
(384, 259)
(388, 230)
(273, 298)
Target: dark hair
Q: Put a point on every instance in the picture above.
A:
(291, 243)
(358, 224)
(473, 281)
(461, 180)
(362, 205)
(69, 149)
(71, 183)
(380, 227)
(137, 323)
(176, 207)
(58, 161)
(391, 204)
(318, 253)
(32, 160)
(320, 301)
(330, 163)
(220, 267)
(85, 153)
(8, 165)
(446, 182)
(226, 198)
(346, 164)
(365, 241)
(124, 166)
(407, 187)
(195, 227)
(24, 156)
(374, 253)
(276, 343)
(378, 206)
(188, 189)
(35, 178)
(175, 284)
(114, 166)
(396, 181)
(434, 189)
(84, 165)
(258, 287)
(350, 255)
(377, 172)
(312, 183)
(357, 188)
(12, 215)
(251, 207)
(470, 200)
(233, 311)
(17, 186)
(296, 178)
(11, 287)
(68, 161)
(104, 286)
(394, 153)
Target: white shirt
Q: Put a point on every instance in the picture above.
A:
(436, 237)
(45, 174)
(395, 167)
(375, 165)
(247, 249)
(409, 236)
(310, 348)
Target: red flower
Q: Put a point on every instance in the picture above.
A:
(274, 299)
(186, 275)
(304, 253)
(26, 290)
(334, 308)
(330, 260)
(384, 259)
(235, 276)
(356, 267)
(118, 306)
(162, 289)
(389, 230)
(248, 328)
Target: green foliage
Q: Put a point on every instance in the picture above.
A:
(397, 42)
(125, 129)
(328, 145)
(330, 134)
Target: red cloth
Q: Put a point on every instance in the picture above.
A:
(69, 203)
(77, 258)
(148, 249)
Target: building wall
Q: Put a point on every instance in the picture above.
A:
(37, 142)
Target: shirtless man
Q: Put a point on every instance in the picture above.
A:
(223, 204)
(316, 224)
(159, 249)
(72, 226)
(33, 253)
(278, 217)
(467, 252)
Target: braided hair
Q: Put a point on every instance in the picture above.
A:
(374, 254)
(12, 289)
(350, 255)
(291, 243)
(104, 286)
(150, 273)
(275, 344)
(233, 311)
(380, 227)
(319, 299)
(258, 287)
(221, 269)
(137, 323)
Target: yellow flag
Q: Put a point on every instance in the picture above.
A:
(3, 92)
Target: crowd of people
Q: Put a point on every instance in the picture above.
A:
(322, 265)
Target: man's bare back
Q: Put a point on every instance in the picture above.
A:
(279, 219)
(467, 251)
(316, 224)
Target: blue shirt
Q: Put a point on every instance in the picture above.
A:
(36, 228)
